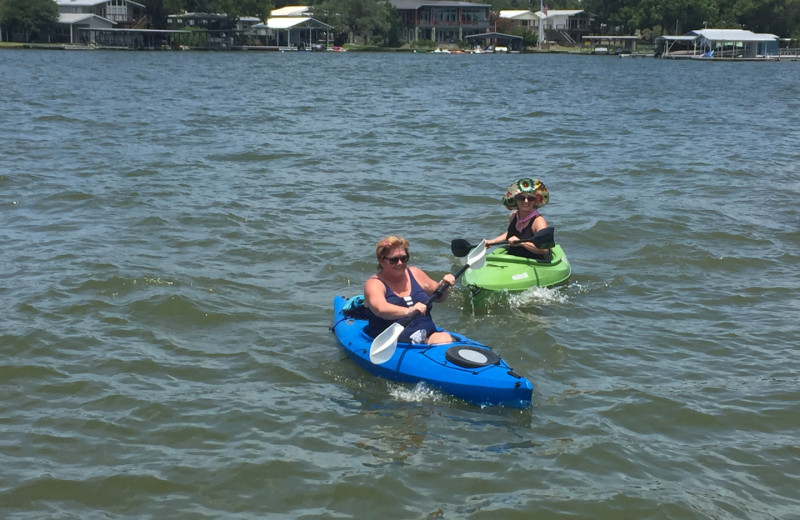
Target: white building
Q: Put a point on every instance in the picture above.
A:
(123, 12)
(561, 26)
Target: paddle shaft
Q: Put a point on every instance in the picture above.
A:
(542, 239)
(384, 345)
(506, 242)
(544, 234)
(437, 293)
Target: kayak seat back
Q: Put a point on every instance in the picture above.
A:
(355, 308)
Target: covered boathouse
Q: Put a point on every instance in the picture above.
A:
(719, 44)
(293, 27)
(496, 40)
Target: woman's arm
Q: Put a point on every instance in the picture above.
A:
(430, 285)
(496, 240)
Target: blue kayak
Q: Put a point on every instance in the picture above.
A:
(465, 368)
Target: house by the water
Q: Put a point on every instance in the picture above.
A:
(565, 27)
(77, 19)
(719, 44)
(441, 21)
(292, 27)
(125, 24)
(107, 23)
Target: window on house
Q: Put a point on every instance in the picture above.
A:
(117, 13)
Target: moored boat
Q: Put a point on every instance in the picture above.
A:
(506, 272)
(465, 368)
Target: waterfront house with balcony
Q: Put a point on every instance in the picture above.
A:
(525, 20)
(123, 13)
(441, 21)
(565, 27)
(79, 19)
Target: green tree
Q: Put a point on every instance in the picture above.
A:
(674, 15)
(30, 17)
(532, 5)
(235, 9)
(654, 17)
(158, 10)
(780, 17)
(199, 6)
(259, 8)
(366, 20)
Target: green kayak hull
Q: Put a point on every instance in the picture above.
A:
(505, 272)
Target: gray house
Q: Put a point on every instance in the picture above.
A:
(442, 21)
(76, 28)
(124, 13)
(80, 20)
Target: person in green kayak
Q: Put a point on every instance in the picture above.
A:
(399, 289)
(525, 196)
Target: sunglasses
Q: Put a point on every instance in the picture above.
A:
(395, 259)
(521, 198)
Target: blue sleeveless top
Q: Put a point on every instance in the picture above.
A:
(377, 324)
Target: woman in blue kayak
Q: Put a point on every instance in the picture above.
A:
(399, 289)
(526, 196)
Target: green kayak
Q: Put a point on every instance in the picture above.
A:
(506, 272)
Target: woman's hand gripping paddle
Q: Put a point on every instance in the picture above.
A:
(384, 345)
(542, 239)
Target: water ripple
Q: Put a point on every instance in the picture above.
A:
(168, 273)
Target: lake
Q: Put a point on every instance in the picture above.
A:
(174, 228)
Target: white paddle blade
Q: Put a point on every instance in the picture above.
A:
(384, 345)
(477, 257)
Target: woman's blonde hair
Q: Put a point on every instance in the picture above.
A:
(387, 244)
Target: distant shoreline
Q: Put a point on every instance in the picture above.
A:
(70, 47)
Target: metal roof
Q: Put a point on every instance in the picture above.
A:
(199, 16)
(721, 35)
(518, 15)
(494, 35)
(733, 35)
(416, 4)
(288, 22)
(290, 10)
(91, 3)
(676, 38)
(71, 18)
(615, 37)
(559, 12)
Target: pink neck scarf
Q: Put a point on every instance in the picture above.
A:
(522, 222)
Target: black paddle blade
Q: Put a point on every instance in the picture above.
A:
(460, 247)
(543, 238)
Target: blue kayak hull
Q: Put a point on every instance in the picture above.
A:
(493, 383)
